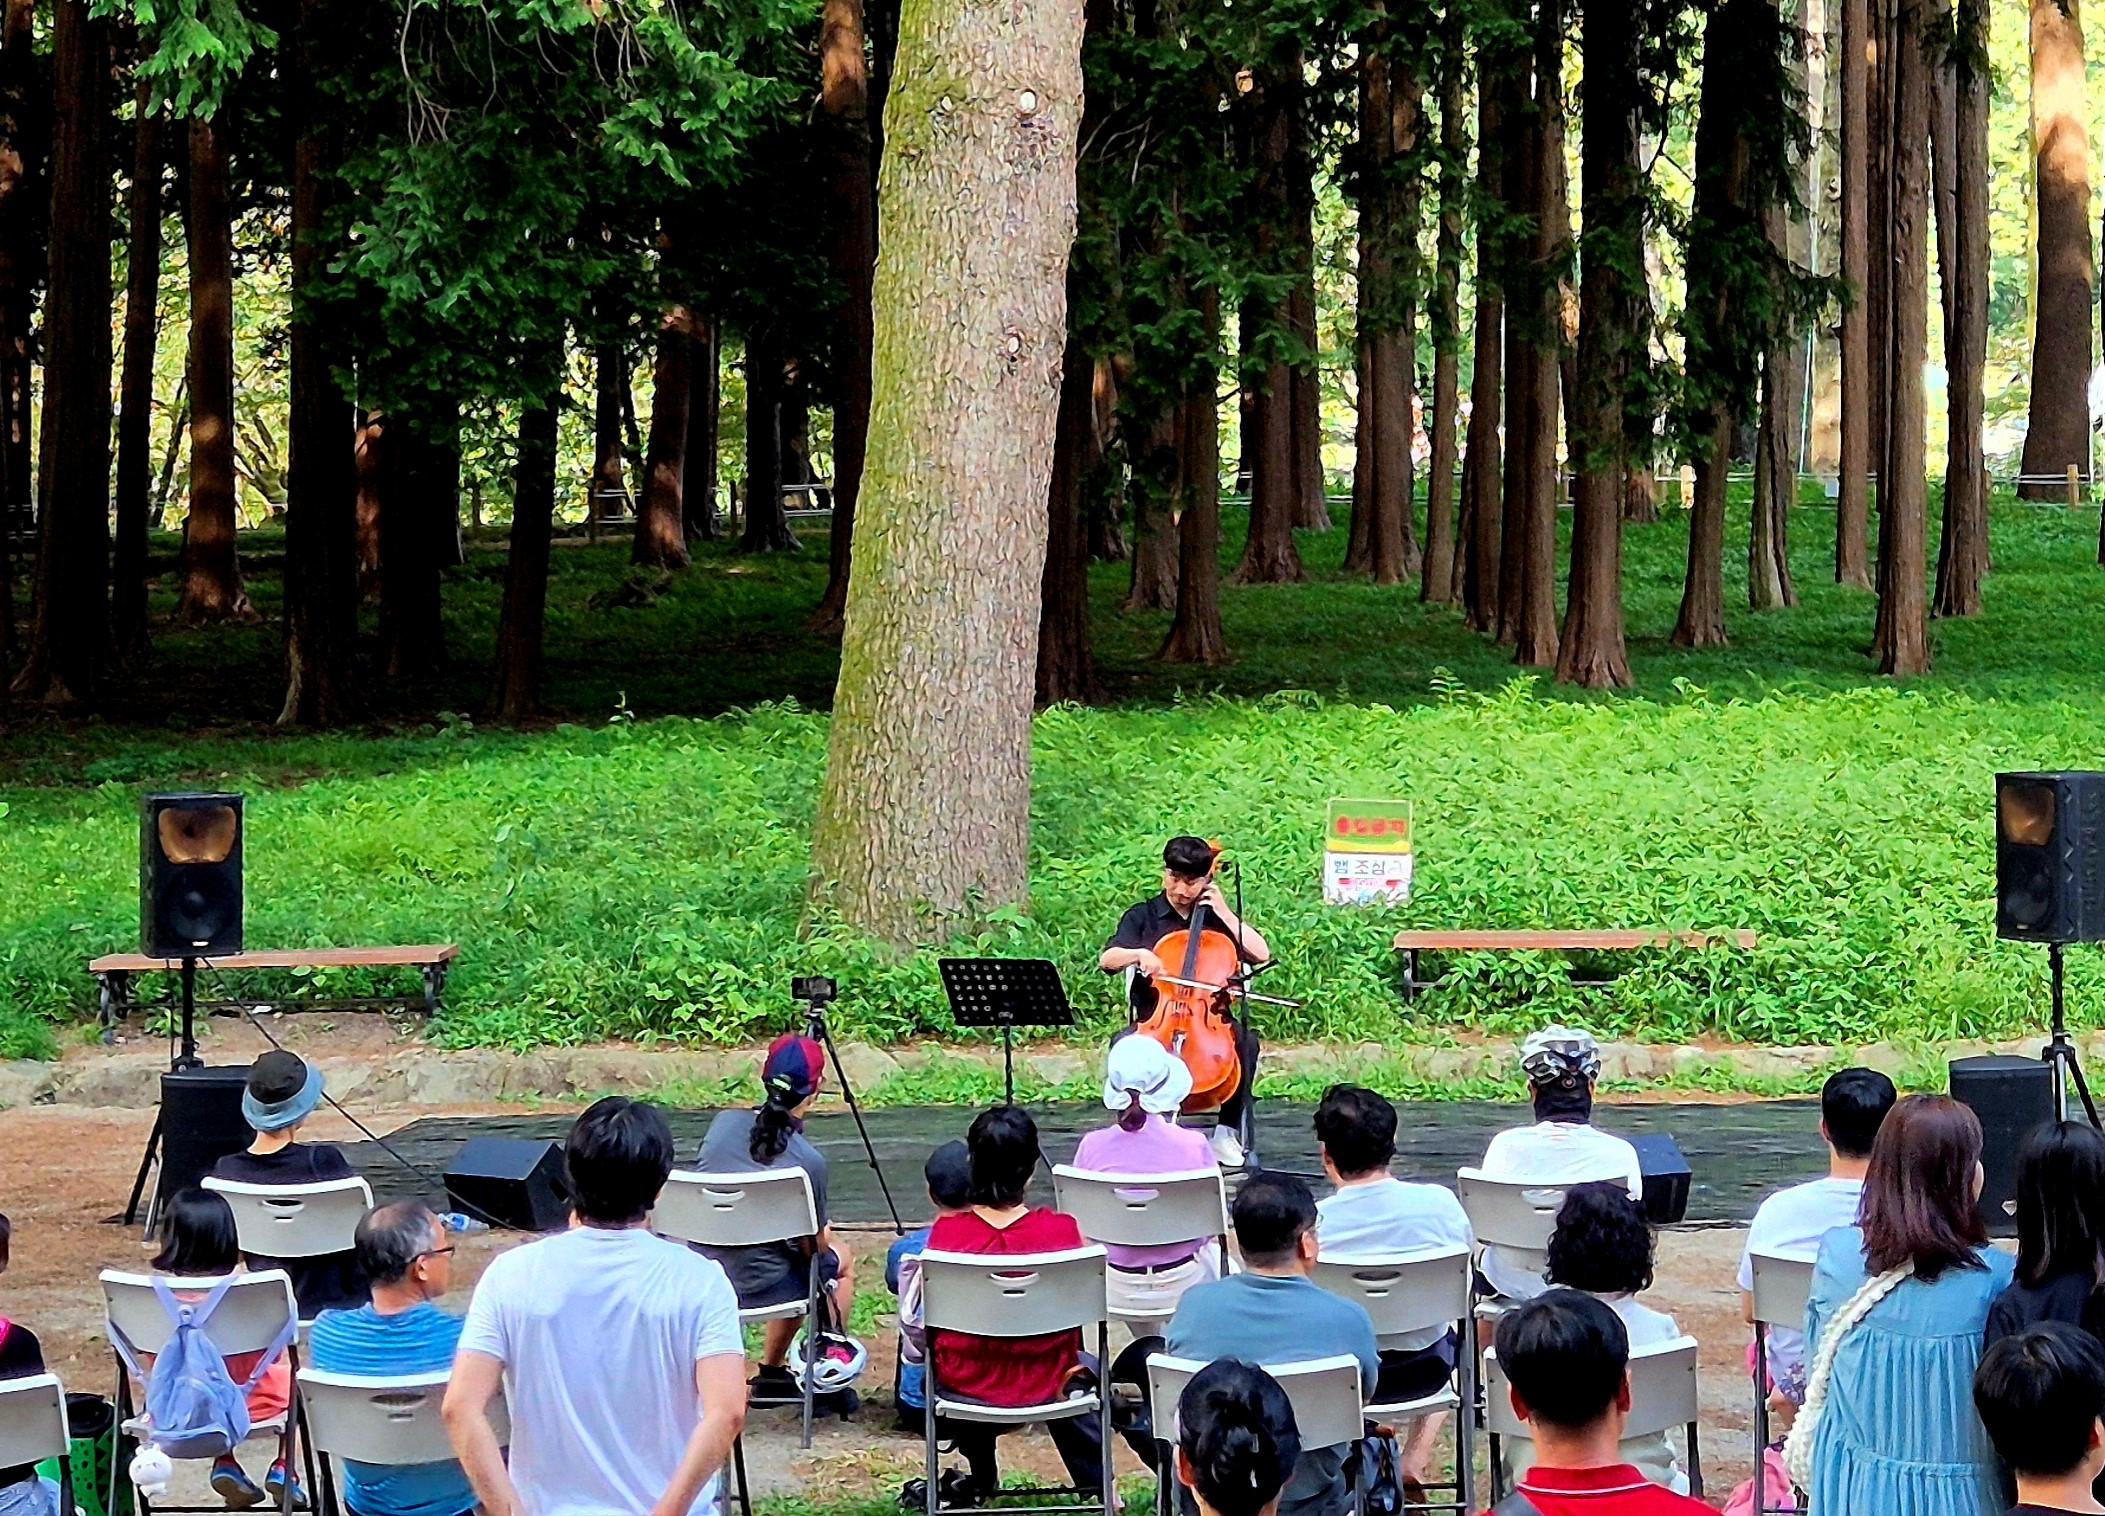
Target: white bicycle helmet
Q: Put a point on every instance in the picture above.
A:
(840, 1363)
(1560, 1052)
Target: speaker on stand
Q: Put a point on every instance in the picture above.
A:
(2050, 888)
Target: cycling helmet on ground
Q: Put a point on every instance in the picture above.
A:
(840, 1361)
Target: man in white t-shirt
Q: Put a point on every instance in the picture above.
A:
(619, 1353)
(1372, 1213)
(1563, 1147)
(1790, 1223)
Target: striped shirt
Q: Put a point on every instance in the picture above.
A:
(420, 1340)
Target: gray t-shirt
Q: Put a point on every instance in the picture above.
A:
(770, 1272)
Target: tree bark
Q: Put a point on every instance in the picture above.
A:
(1381, 540)
(1962, 559)
(211, 576)
(766, 520)
(609, 490)
(704, 397)
(924, 816)
(25, 195)
(2058, 435)
(1196, 635)
(1523, 197)
(1438, 584)
(142, 287)
(369, 467)
(1769, 585)
(661, 531)
(1901, 642)
(1066, 670)
(1270, 555)
(420, 488)
(1311, 499)
(522, 621)
(1155, 492)
(1535, 620)
(1480, 464)
(1853, 497)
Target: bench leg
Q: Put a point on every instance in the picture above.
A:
(114, 994)
(434, 988)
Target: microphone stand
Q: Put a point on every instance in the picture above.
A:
(1248, 1124)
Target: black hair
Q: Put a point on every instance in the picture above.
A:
(1357, 1128)
(7, 1241)
(1566, 1355)
(616, 1160)
(1003, 1143)
(773, 1125)
(1566, 1098)
(1188, 857)
(197, 1235)
(1853, 1105)
(390, 1240)
(2041, 1394)
(949, 1175)
(2061, 1202)
(1271, 1212)
(1602, 1243)
(1236, 1429)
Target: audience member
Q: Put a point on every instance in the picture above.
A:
(1236, 1439)
(1562, 1147)
(949, 1175)
(1372, 1213)
(283, 1091)
(618, 1352)
(1274, 1313)
(2060, 1233)
(404, 1250)
(22, 1491)
(772, 1273)
(2041, 1395)
(1566, 1360)
(1894, 1329)
(1147, 1084)
(1791, 1222)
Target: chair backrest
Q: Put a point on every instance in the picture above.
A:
(251, 1317)
(1324, 1392)
(1143, 1210)
(388, 1420)
(1662, 1391)
(1403, 1292)
(736, 1210)
(1508, 1213)
(1781, 1288)
(32, 1420)
(1012, 1294)
(296, 1220)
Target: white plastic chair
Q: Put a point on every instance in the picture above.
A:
(1413, 1293)
(1004, 1295)
(1782, 1286)
(1145, 1210)
(33, 1428)
(1662, 1397)
(296, 1220)
(389, 1420)
(1510, 1214)
(1324, 1392)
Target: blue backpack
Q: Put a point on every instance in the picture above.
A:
(196, 1408)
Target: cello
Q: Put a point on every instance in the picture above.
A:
(1191, 1016)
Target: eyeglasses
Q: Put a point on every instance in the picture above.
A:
(443, 1252)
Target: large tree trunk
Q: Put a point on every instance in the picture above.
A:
(661, 531)
(1592, 651)
(142, 288)
(1438, 586)
(1381, 544)
(211, 577)
(2058, 435)
(418, 526)
(1066, 671)
(1523, 196)
(1769, 585)
(1853, 497)
(1196, 635)
(1270, 555)
(522, 621)
(609, 489)
(1311, 499)
(1535, 618)
(1480, 464)
(844, 110)
(1155, 539)
(924, 816)
(1901, 641)
(766, 520)
(25, 196)
(698, 457)
(1962, 559)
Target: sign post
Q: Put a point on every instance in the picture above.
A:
(1367, 852)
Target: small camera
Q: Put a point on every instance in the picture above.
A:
(814, 989)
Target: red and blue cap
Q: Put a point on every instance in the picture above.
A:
(794, 1069)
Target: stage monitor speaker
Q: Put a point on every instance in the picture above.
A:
(1667, 1177)
(190, 892)
(2050, 857)
(201, 1122)
(510, 1182)
(2011, 1096)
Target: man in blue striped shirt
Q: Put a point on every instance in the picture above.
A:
(404, 1250)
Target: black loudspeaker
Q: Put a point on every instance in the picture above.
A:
(510, 1182)
(201, 1122)
(2011, 1096)
(2050, 857)
(190, 895)
(1667, 1176)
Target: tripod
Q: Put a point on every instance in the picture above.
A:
(2060, 1051)
(178, 1062)
(815, 1026)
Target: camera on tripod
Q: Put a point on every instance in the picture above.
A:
(815, 990)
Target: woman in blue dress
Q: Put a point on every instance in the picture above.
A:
(1894, 1330)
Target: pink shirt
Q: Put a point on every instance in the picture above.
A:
(1159, 1147)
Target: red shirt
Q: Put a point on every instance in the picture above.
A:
(1005, 1370)
(1618, 1490)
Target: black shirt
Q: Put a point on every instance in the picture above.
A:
(2039, 1510)
(2072, 1298)
(20, 1356)
(1147, 924)
(328, 1282)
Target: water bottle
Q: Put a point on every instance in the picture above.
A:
(456, 1221)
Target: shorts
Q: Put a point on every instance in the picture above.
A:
(761, 1283)
(1413, 1375)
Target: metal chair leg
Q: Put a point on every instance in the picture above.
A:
(1695, 1463)
(738, 1470)
(1498, 1475)
(1761, 1415)
(1109, 1493)
(1465, 1428)
(811, 1345)
(928, 1434)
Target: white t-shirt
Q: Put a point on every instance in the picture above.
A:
(599, 1331)
(1554, 1153)
(1790, 1224)
(1652, 1455)
(1387, 1215)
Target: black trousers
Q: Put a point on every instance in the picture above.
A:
(1246, 1050)
(1079, 1439)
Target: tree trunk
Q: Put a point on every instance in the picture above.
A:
(1066, 671)
(1196, 635)
(1523, 198)
(142, 288)
(1438, 585)
(1311, 500)
(1480, 464)
(844, 111)
(369, 467)
(1902, 640)
(1154, 489)
(1382, 484)
(767, 522)
(2059, 432)
(1769, 585)
(1962, 556)
(661, 533)
(211, 577)
(522, 621)
(418, 519)
(1270, 555)
(1535, 619)
(1853, 497)
(704, 399)
(25, 195)
(924, 816)
(609, 490)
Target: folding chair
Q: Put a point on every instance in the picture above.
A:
(1411, 1293)
(1145, 1210)
(1324, 1392)
(33, 1428)
(1510, 1214)
(1782, 1285)
(390, 1421)
(747, 1210)
(252, 1317)
(296, 1220)
(1008, 1295)
(1662, 1397)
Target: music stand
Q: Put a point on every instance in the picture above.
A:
(1006, 993)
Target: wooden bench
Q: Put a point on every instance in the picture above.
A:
(1412, 943)
(114, 973)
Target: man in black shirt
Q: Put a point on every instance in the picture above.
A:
(1188, 881)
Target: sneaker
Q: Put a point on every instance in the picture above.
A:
(774, 1385)
(231, 1483)
(1227, 1148)
(275, 1482)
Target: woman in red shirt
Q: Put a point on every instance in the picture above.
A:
(1007, 1371)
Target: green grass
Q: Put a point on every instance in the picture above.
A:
(644, 877)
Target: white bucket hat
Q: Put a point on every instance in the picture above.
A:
(1142, 1066)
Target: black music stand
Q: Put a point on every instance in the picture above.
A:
(1006, 993)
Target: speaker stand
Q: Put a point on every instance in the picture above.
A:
(2060, 1050)
(178, 1062)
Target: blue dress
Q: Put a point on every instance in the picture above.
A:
(1899, 1436)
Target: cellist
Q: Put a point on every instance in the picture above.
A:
(1188, 865)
